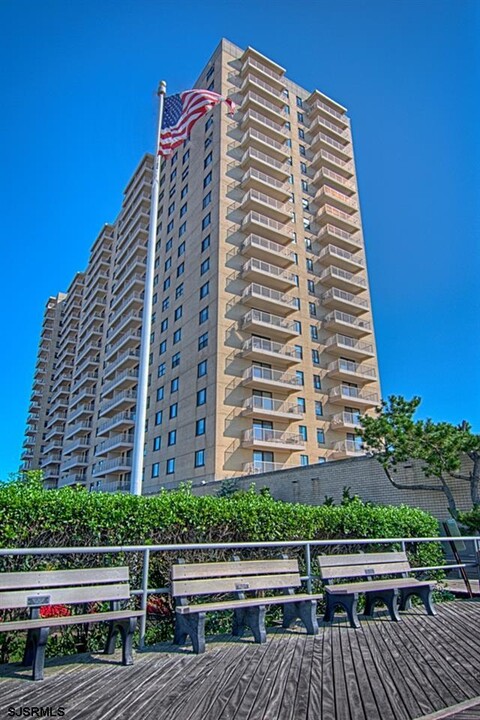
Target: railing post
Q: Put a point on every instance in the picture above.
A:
(143, 619)
(308, 563)
(476, 545)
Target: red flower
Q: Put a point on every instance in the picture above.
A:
(52, 611)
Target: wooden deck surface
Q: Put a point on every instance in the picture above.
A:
(383, 671)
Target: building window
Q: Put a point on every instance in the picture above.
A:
(297, 325)
(309, 264)
(311, 287)
(164, 325)
(302, 431)
(303, 460)
(303, 168)
(203, 341)
(205, 266)
(163, 347)
(170, 226)
(201, 397)
(320, 437)
(158, 417)
(204, 290)
(302, 150)
(300, 118)
(209, 122)
(201, 369)
(181, 249)
(199, 458)
(185, 157)
(161, 370)
(183, 209)
(173, 159)
(299, 102)
(200, 426)
(155, 470)
(211, 86)
(168, 264)
(172, 438)
(207, 142)
(180, 269)
(301, 405)
(168, 245)
(179, 291)
(176, 360)
(317, 382)
(160, 393)
(298, 352)
(171, 208)
(185, 173)
(177, 336)
(206, 221)
(178, 312)
(173, 411)
(205, 243)
(208, 160)
(203, 316)
(312, 309)
(182, 229)
(313, 332)
(315, 357)
(184, 191)
(157, 443)
(300, 377)
(170, 466)
(174, 385)
(166, 283)
(207, 200)
(209, 75)
(207, 179)
(318, 409)
(301, 132)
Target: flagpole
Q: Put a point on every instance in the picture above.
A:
(143, 368)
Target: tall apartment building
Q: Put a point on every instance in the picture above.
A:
(262, 346)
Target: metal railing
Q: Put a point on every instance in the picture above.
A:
(305, 546)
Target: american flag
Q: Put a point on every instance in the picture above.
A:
(181, 112)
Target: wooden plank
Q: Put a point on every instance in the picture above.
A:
(69, 620)
(468, 710)
(327, 681)
(325, 561)
(283, 693)
(367, 697)
(193, 571)
(342, 705)
(63, 596)
(370, 569)
(300, 692)
(217, 586)
(351, 674)
(61, 578)
(316, 685)
(377, 585)
(249, 602)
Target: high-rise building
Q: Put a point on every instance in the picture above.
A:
(262, 348)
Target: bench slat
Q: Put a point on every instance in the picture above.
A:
(60, 596)
(59, 578)
(361, 559)
(182, 588)
(226, 569)
(373, 569)
(377, 585)
(250, 602)
(71, 620)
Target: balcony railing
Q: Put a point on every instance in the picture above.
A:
(268, 346)
(275, 437)
(254, 80)
(256, 196)
(274, 321)
(126, 395)
(342, 254)
(342, 295)
(331, 211)
(265, 404)
(324, 156)
(254, 174)
(133, 335)
(253, 134)
(254, 290)
(346, 418)
(259, 100)
(269, 246)
(131, 354)
(339, 274)
(349, 366)
(327, 174)
(278, 229)
(329, 193)
(261, 466)
(122, 417)
(255, 372)
(329, 126)
(254, 265)
(337, 316)
(352, 393)
(263, 120)
(115, 441)
(348, 447)
(251, 62)
(125, 375)
(350, 343)
(254, 154)
(110, 466)
(86, 425)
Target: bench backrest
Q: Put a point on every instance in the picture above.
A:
(59, 587)
(241, 576)
(335, 567)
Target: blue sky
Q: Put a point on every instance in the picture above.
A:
(78, 86)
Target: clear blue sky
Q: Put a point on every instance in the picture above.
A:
(78, 82)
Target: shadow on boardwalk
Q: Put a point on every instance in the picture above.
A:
(384, 671)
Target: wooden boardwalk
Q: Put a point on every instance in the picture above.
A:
(384, 671)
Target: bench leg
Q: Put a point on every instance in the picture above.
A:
(111, 638)
(35, 651)
(192, 626)
(425, 595)
(389, 597)
(304, 610)
(348, 602)
(253, 618)
(127, 629)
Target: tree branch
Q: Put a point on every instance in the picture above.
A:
(417, 486)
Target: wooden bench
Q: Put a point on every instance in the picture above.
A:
(35, 590)
(242, 580)
(394, 592)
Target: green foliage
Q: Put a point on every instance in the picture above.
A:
(471, 519)
(34, 517)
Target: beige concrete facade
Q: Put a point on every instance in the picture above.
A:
(262, 347)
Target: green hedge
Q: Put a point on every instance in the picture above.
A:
(471, 519)
(33, 517)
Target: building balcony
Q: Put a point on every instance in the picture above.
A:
(253, 138)
(136, 236)
(345, 421)
(333, 129)
(253, 158)
(343, 344)
(258, 121)
(131, 268)
(32, 418)
(31, 430)
(131, 320)
(254, 179)
(131, 339)
(120, 421)
(80, 428)
(136, 284)
(328, 214)
(73, 479)
(51, 459)
(271, 91)
(91, 362)
(338, 320)
(75, 461)
(82, 442)
(55, 418)
(322, 106)
(134, 299)
(276, 277)
(113, 486)
(258, 438)
(52, 446)
(325, 158)
(29, 442)
(261, 466)
(122, 441)
(267, 408)
(267, 250)
(322, 141)
(266, 350)
(338, 199)
(92, 318)
(256, 200)
(91, 349)
(343, 279)
(85, 393)
(129, 358)
(124, 399)
(125, 379)
(334, 179)
(261, 378)
(81, 411)
(346, 449)
(277, 327)
(253, 100)
(83, 379)
(271, 229)
(268, 70)
(351, 371)
(345, 301)
(263, 298)
(331, 254)
(50, 477)
(346, 395)
(113, 466)
(56, 431)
